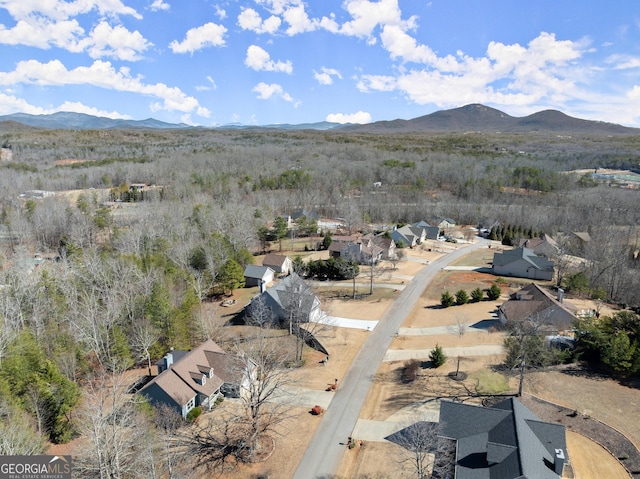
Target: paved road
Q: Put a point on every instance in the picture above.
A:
(324, 454)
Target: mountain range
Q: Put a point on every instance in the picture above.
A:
(474, 117)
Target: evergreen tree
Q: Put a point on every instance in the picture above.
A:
(437, 356)
(494, 292)
(231, 276)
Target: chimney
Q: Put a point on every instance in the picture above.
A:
(558, 464)
(560, 295)
(167, 360)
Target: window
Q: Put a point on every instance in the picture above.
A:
(190, 405)
(203, 381)
(211, 372)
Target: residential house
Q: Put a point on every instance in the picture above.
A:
(258, 275)
(408, 236)
(543, 245)
(445, 223)
(310, 215)
(577, 242)
(338, 249)
(504, 441)
(431, 232)
(522, 263)
(387, 245)
(363, 250)
(289, 295)
(6, 154)
(187, 379)
(552, 314)
(279, 263)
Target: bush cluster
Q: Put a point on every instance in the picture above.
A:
(462, 297)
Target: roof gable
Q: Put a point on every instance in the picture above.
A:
(183, 379)
(274, 260)
(256, 272)
(503, 441)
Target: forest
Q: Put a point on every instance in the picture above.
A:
(95, 278)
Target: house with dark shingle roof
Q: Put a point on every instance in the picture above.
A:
(187, 379)
(408, 236)
(552, 314)
(543, 245)
(288, 295)
(255, 275)
(523, 263)
(279, 263)
(504, 441)
(431, 232)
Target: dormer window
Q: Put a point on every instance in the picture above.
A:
(211, 372)
(203, 381)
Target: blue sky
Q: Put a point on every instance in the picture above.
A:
(209, 63)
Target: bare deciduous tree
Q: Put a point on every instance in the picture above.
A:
(237, 434)
(115, 429)
(420, 446)
(17, 434)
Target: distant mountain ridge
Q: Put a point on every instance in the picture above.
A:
(473, 117)
(481, 118)
(65, 120)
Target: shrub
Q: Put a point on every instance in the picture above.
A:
(477, 295)
(410, 370)
(447, 299)
(494, 292)
(437, 356)
(462, 297)
(194, 414)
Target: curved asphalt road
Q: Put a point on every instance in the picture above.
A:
(328, 445)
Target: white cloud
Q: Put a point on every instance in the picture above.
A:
(359, 117)
(10, 104)
(42, 33)
(540, 72)
(292, 12)
(103, 41)
(266, 91)
(101, 74)
(368, 83)
(368, 15)
(623, 62)
(298, 20)
(115, 42)
(78, 107)
(249, 19)
(157, 5)
(325, 75)
(207, 35)
(58, 10)
(220, 12)
(260, 60)
(212, 85)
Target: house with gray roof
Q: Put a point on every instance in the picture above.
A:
(290, 295)
(522, 263)
(187, 379)
(543, 245)
(255, 275)
(533, 303)
(431, 232)
(504, 441)
(408, 236)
